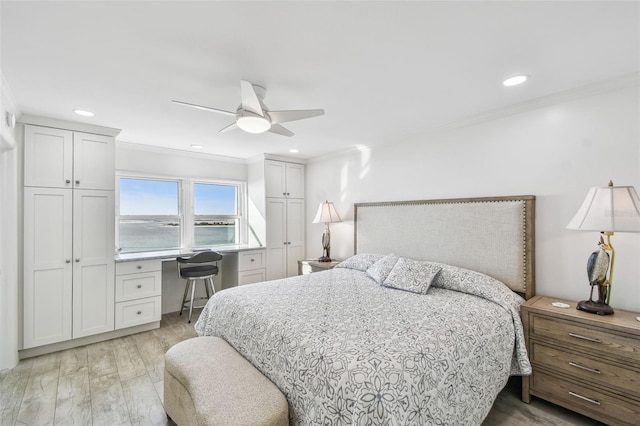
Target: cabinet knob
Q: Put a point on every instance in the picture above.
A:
(139, 266)
(139, 286)
(139, 312)
(288, 193)
(77, 259)
(67, 181)
(67, 261)
(284, 193)
(252, 260)
(77, 182)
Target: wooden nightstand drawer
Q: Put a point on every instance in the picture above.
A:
(587, 337)
(610, 408)
(591, 369)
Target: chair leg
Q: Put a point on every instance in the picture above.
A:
(213, 289)
(206, 287)
(184, 297)
(193, 293)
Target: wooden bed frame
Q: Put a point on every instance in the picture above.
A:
(492, 235)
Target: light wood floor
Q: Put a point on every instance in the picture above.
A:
(119, 382)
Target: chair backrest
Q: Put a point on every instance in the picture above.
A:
(201, 257)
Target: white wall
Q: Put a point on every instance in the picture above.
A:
(9, 183)
(162, 162)
(555, 149)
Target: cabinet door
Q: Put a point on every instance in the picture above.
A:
(48, 157)
(93, 161)
(295, 180)
(275, 178)
(47, 265)
(93, 262)
(295, 235)
(276, 212)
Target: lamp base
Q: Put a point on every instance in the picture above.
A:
(324, 259)
(594, 307)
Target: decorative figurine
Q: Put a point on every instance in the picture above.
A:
(597, 267)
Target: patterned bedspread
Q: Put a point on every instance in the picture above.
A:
(347, 351)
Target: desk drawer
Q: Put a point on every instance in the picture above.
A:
(135, 267)
(248, 260)
(136, 312)
(590, 369)
(587, 337)
(138, 286)
(250, 277)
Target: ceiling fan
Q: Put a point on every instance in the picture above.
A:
(252, 116)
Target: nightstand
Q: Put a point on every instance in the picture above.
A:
(308, 266)
(584, 362)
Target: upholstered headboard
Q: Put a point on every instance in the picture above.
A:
(493, 235)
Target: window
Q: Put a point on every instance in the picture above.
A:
(161, 214)
(215, 214)
(149, 216)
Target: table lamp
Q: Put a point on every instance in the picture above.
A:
(326, 214)
(606, 209)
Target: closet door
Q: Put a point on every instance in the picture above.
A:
(93, 161)
(47, 265)
(295, 235)
(295, 180)
(276, 213)
(275, 178)
(48, 157)
(93, 264)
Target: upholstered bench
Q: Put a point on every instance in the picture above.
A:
(206, 382)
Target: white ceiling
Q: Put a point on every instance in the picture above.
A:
(381, 70)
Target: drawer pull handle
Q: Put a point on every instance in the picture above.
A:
(582, 367)
(590, 339)
(253, 260)
(77, 182)
(139, 266)
(139, 286)
(584, 398)
(67, 181)
(139, 312)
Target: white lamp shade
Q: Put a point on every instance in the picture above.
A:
(326, 214)
(609, 209)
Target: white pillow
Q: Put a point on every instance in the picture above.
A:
(380, 270)
(412, 275)
(360, 262)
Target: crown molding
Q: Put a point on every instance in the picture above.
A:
(67, 125)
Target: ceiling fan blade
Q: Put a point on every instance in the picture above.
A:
(293, 115)
(280, 130)
(250, 101)
(204, 108)
(230, 127)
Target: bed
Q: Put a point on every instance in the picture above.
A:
(420, 326)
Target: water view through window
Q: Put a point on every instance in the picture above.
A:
(150, 217)
(215, 210)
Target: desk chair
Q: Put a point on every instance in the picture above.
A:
(201, 266)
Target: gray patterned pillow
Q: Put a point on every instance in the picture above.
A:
(380, 270)
(412, 275)
(360, 262)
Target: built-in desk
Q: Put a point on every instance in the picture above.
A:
(241, 264)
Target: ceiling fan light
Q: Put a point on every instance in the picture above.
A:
(253, 123)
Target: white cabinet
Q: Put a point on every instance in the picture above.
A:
(68, 264)
(285, 236)
(69, 233)
(93, 265)
(251, 267)
(283, 179)
(48, 271)
(58, 158)
(138, 293)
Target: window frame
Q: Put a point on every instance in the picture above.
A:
(186, 216)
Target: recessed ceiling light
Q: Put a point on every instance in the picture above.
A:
(83, 113)
(515, 80)
(197, 146)
(294, 151)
